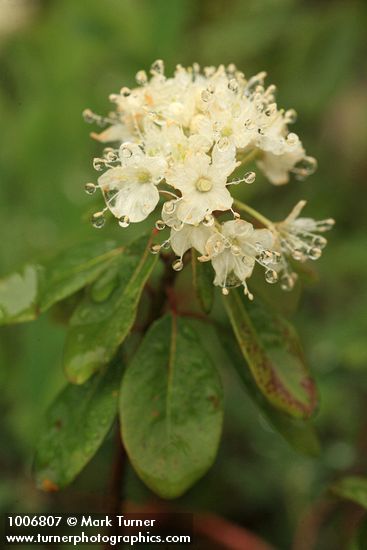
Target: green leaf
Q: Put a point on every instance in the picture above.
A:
(171, 408)
(300, 434)
(74, 269)
(35, 288)
(274, 356)
(352, 488)
(76, 425)
(202, 276)
(98, 326)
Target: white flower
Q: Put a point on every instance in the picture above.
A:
(276, 167)
(234, 251)
(190, 236)
(202, 181)
(298, 236)
(182, 137)
(131, 190)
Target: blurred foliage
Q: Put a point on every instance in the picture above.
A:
(58, 57)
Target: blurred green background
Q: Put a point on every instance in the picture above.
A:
(58, 57)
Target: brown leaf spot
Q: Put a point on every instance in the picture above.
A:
(215, 400)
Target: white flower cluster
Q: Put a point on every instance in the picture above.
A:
(179, 140)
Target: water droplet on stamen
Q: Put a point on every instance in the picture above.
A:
(98, 220)
(169, 207)
(157, 67)
(125, 91)
(125, 151)
(314, 253)
(208, 220)
(90, 188)
(292, 139)
(305, 167)
(233, 85)
(235, 249)
(141, 78)
(99, 164)
(124, 221)
(287, 282)
(271, 276)
(249, 124)
(160, 225)
(298, 255)
(178, 225)
(290, 116)
(177, 265)
(88, 116)
(206, 96)
(319, 241)
(271, 109)
(249, 177)
(223, 144)
(155, 248)
(166, 245)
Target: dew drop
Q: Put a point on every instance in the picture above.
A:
(160, 225)
(98, 164)
(271, 109)
(125, 151)
(157, 67)
(287, 282)
(178, 225)
(155, 248)
(292, 139)
(249, 124)
(177, 265)
(166, 245)
(271, 276)
(125, 91)
(305, 167)
(290, 116)
(223, 144)
(298, 255)
(124, 221)
(314, 253)
(98, 220)
(233, 85)
(88, 116)
(208, 220)
(90, 188)
(235, 249)
(169, 207)
(141, 78)
(319, 241)
(249, 177)
(206, 96)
